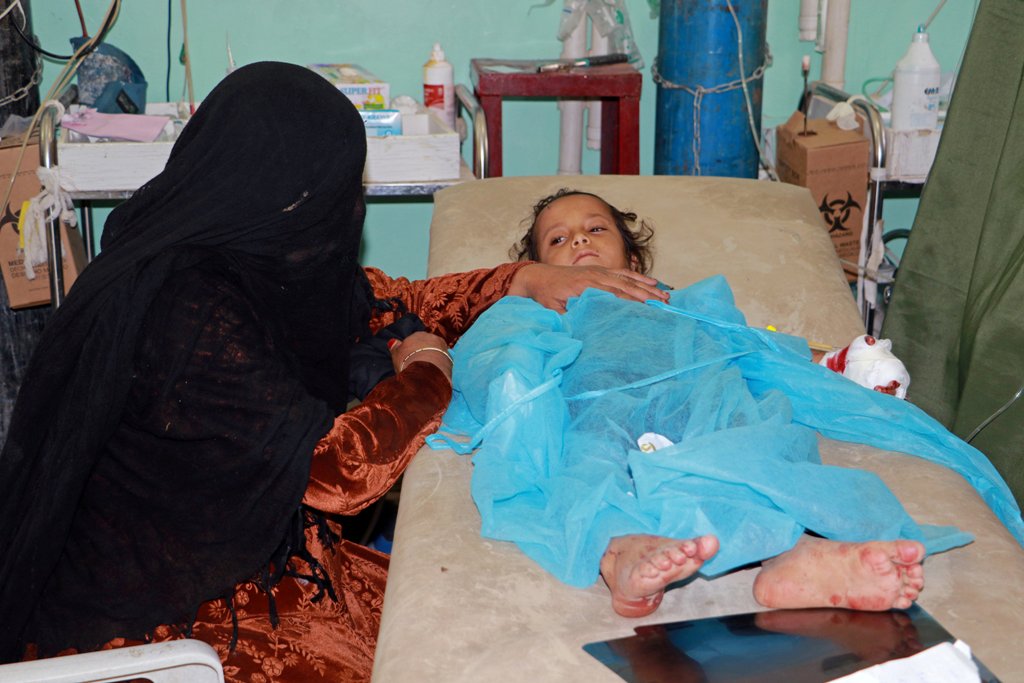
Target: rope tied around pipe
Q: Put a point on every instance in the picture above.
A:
(51, 204)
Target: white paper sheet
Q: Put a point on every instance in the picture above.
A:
(943, 663)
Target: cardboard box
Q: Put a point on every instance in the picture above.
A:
(359, 85)
(833, 164)
(380, 123)
(22, 292)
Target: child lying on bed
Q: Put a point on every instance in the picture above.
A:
(556, 404)
(574, 228)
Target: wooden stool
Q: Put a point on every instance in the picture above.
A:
(616, 85)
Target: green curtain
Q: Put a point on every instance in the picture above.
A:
(957, 313)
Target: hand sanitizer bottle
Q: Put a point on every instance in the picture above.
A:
(915, 87)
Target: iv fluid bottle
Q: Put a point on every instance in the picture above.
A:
(915, 87)
(439, 86)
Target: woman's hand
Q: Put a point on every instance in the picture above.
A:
(553, 286)
(422, 347)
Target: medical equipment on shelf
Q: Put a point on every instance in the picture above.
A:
(610, 34)
(915, 87)
(439, 86)
(599, 60)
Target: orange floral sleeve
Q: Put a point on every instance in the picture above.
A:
(447, 304)
(370, 445)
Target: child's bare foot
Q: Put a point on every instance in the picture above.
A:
(817, 572)
(637, 568)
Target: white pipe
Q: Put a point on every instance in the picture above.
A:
(837, 25)
(570, 145)
(808, 19)
(599, 45)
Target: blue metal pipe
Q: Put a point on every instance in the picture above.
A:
(697, 53)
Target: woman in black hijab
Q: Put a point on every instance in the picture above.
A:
(179, 453)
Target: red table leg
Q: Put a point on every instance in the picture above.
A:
(617, 86)
(491, 104)
(620, 135)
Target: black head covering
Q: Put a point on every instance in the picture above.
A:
(265, 186)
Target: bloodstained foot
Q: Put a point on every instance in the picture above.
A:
(638, 568)
(873, 576)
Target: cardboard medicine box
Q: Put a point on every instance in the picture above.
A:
(833, 164)
(365, 90)
(382, 122)
(21, 291)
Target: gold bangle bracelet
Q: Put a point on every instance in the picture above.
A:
(426, 348)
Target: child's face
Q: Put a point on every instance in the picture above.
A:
(578, 230)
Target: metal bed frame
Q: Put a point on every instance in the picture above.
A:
(820, 97)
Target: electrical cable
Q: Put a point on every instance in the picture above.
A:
(933, 14)
(167, 79)
(10, 8)
(188, 59)
(58, 86)
(746, 98)
(987, 421)
(878, 91)
(37, 48)
(81, 19)
(960, 60)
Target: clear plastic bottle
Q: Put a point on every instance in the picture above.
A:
(439, 86)
(915, 87)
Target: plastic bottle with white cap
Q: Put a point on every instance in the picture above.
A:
(439, 86)
(915, 87)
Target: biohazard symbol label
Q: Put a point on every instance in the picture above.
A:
(837, 211)
(9, 218)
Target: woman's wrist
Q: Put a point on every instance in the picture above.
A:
(519, 284)
(411, 356)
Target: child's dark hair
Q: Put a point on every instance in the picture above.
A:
(635, 235)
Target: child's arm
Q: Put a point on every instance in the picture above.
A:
(552, 286)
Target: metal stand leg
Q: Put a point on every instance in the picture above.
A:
(48, 159)
(87, 234)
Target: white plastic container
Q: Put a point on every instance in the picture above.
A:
(915, 87)
(439, 86)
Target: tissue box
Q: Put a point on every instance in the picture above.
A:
(359, 85)
(833, 164)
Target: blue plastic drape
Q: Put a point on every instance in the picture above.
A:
(555, 404)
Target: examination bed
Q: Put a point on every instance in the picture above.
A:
(462, 608)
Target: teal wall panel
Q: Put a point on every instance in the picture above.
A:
(393, 38)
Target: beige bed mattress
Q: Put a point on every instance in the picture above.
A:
(462, 608)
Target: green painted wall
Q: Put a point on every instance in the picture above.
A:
(393, 38)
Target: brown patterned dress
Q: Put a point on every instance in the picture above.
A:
(353, 465)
